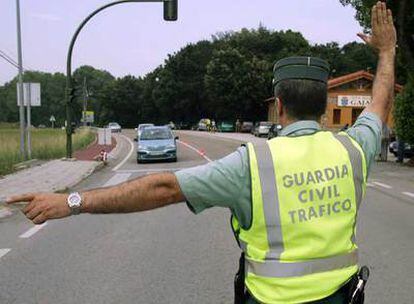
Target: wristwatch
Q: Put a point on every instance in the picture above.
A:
(75, 202)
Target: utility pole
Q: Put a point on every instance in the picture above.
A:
(20, 96)
(85, 101)
(29, 120)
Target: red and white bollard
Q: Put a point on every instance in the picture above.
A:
(103, 156)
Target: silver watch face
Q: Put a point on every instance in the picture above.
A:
(74, 200)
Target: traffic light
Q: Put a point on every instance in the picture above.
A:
(170, 10)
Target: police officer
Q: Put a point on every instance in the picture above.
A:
(294, 199)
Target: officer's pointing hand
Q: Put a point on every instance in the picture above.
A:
(42, 206)
(384, 36)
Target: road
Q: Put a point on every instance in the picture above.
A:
(170, 255)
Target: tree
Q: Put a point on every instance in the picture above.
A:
(52, 98)
(96, 81)
(122, 101)
(236, 86)
(403, 11)
(404, 111)
(178, 91)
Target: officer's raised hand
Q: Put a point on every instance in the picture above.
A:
(384, 36)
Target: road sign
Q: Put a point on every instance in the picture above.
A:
(88, 116)
(52, 118)
(31, 91)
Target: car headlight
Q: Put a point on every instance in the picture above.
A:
(142, 148)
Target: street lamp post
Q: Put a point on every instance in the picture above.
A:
(170, 14)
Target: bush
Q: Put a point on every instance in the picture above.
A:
(404, 113)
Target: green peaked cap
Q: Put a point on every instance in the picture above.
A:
(310, 68)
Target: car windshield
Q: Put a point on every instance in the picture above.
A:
(154, 134)
(247, 124)
(113, 124)
(145, 126)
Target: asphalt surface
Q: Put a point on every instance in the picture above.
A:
(171, 256)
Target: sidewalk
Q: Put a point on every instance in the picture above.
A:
(52, 176)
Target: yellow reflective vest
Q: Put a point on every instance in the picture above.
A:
(306, 191)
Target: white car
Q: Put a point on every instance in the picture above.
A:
(115, 127)
(262, 128)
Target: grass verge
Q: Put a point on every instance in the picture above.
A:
(46, 144)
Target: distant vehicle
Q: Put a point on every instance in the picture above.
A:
(115, 127)
(203, 124)
(226, 126)
(408, 149)
(41, 126)
(274, 131)
(246, 127)
(254, 128)
(142, 127)
(184, 126)
(262, 128)
(156, 143)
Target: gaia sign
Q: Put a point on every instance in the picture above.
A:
(354, 100)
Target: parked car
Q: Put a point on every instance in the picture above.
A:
(226, 126)
(408, 149)
(115, 127)
(141, 127)
(157, 143)
(274, 131)
(262, 128)
(246, 127)
(254, 128)
(184, 126)
(203, 124)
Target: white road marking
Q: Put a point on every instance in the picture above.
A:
(4, 251)
(117, 179)
(32, 231)
(409, 194)
(196, 150)
(127, 157)
(382, 185)
(149, 170)
(370, 185)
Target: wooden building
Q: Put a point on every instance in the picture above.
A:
(348, 95)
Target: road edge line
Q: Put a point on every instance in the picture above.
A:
(382, 185)
(29, 233)
(409, 194)
(4, 251)
(128, 156)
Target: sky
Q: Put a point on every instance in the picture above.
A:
(134, 39)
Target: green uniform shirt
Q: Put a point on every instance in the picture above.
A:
(226, 182)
